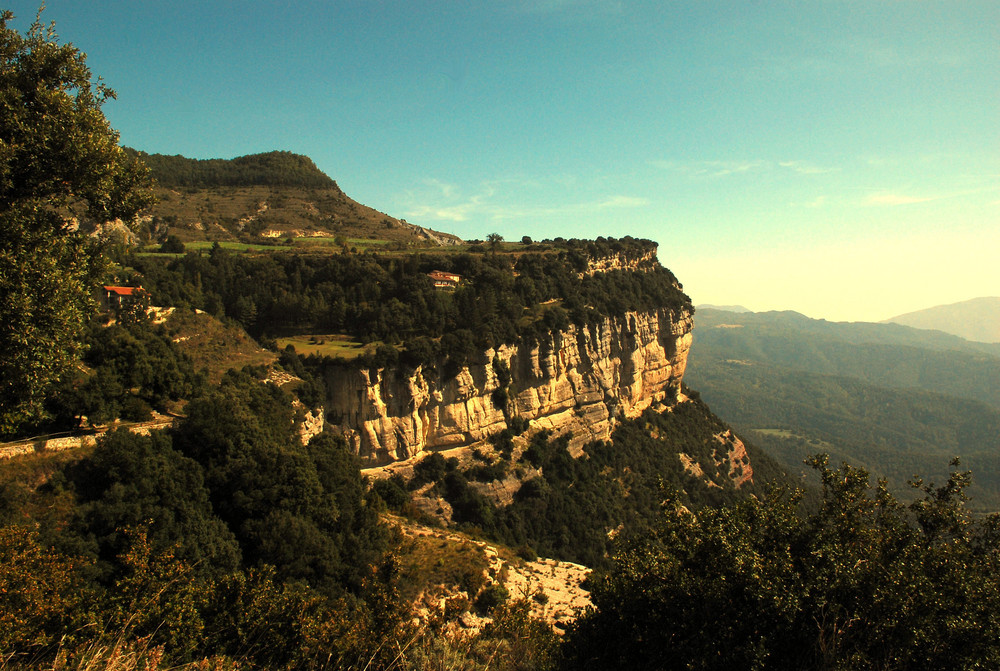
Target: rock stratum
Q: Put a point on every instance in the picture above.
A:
(582, 379)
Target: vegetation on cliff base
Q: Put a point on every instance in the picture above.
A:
(226, 536)
(572, 507)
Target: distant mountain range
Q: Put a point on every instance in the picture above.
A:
(895, 399)
(726, 308)
(977, 319)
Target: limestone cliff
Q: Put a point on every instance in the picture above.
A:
(621, 261)
(581, 379)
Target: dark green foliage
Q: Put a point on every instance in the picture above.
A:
(431, 468)
(517, 425)
(569, 510)
(59, 159)
(172, 245)
(133, 481)
(391, 300)
(491, 597)
(276, 168)
(862, 583)
(468, 506)
(310, 391)
(392, 491)
(301, 509)
(488, 472)
(227, 536)
(135, 367)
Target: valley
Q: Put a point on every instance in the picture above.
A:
(898, 401)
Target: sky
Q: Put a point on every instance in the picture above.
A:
(838, 158)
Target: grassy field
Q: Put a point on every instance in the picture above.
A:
(206, 245)
(334, 345)
(328, 245)
(280, 244)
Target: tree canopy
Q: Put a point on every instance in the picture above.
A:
(60, 165)
(861, 583)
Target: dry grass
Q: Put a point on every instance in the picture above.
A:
(430, 559)
(213, 346)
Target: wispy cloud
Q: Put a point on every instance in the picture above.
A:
(441, 201)
(739, 167)
(710, 168)
(806, 168)
(447, 190)
(616, 202)
(892, 199)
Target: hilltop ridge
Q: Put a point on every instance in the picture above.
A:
(977, 319)
(261, 197)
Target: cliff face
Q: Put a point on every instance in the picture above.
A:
(580, 380)
(620, 261)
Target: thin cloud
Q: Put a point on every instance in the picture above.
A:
(441, 201)
(710, 168)
(622, 201)
(805, 168)
(447, 190)
(893, 199)
(738, 167)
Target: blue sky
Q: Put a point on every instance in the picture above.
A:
(837, 158)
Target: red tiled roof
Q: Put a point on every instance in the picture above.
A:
(122, 291)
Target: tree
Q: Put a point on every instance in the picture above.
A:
(494, 240)
(172, 245)
(863, 583)
(60, 167)
(131, 481)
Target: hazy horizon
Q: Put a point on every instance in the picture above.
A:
(741, 308)
(837, 158)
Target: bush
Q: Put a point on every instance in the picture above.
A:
(392, 491)
(492, 596)
(172, 245)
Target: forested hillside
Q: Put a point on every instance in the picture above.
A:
(390, 298)
(276, 168)
(263, 197)
(896, 400)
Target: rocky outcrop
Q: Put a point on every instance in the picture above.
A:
(735, 457)
(582, 379)
(621, 261)
(730, 459)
